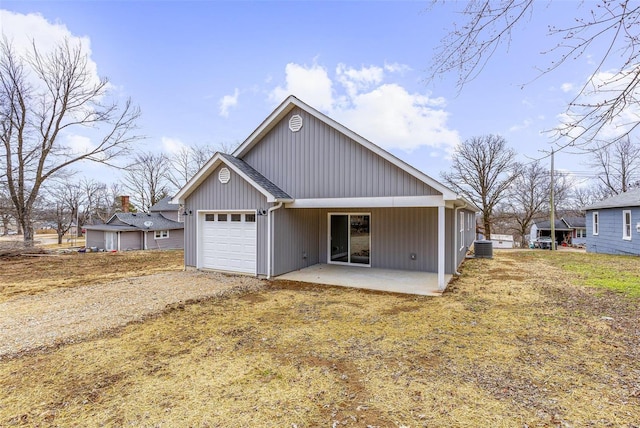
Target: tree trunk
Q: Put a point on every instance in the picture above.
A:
(28, 236)
(487, 229)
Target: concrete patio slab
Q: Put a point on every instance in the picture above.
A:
(395, 281)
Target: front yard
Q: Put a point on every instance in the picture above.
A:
(529, 338)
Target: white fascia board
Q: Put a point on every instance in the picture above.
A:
(369, 202)
(291, 101)
(205, 171)
(285, 107)
(197, 179)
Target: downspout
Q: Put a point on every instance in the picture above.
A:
(269, 211)
(455, 239)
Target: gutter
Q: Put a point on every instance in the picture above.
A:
(269, 233)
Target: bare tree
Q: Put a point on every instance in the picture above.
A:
(146, 179)
(65, 199)
(617, 164)
(43, 98)
(528, 198)
(107, 201)
(582, 196)
(6, 211)
(483, 169)
(186, 163)
(602, 100)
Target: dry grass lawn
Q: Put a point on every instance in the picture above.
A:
(32, 275)
(517, 341)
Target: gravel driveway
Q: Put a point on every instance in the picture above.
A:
(67, 315)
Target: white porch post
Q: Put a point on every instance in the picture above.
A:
(441, 247)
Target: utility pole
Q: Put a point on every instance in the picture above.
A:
(553, 213)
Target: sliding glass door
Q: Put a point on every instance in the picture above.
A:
(350, 239)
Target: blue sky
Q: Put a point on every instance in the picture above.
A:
(209, 72)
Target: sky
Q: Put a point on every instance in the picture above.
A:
(209, 72)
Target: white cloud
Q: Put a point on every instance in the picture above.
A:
(311, 84)
(79, 144)
(172, 145)
(519, 127)
(227, 102)
(355, 81)
(567, 87)
(396, 68)
(602, 88)
(24, 30)
(385, 113)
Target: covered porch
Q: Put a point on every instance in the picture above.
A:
(390, 280)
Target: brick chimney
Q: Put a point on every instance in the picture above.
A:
(125, 203)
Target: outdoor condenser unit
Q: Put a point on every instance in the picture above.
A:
(483, 249)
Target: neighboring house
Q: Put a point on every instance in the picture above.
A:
(502, 241)
(139, 231)
(303, 189)
(569, 231)
(578, 230)
(613, 225)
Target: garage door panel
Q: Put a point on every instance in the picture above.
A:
(229, 246)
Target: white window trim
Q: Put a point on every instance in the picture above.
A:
(625, 236)
(461, 230)
(161, 233)
(595, 218)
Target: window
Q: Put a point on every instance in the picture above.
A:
(250, 218)
(161, 234)
(461, 230)
(626, 225)
(596, 222)
(222, 217)
(236, 217)
(209, 217)
(581, 233)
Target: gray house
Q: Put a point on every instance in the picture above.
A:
(303, 190)
(613, 225)
(158, 229)
(569, 231)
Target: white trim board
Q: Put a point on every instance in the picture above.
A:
(369, 202)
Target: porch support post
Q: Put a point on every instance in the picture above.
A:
(441, 247)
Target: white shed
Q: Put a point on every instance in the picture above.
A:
(502, 241)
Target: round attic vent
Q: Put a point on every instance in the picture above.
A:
(224, 176)
(295, 123)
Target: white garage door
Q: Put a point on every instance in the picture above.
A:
(229, 242)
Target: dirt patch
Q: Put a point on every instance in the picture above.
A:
(33, 275)
(539, 350)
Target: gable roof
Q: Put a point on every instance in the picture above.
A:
(546, 225)
(292, 102)
(272, 192)
(575, 222)
(630, 198)
(164, 204)
(138, 220)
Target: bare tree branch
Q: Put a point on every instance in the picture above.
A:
(483, 169)
(607, 106)
(43, 97)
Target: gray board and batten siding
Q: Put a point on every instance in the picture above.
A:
(235, 195)
(396, 234)
(319, 161)
(609, 239)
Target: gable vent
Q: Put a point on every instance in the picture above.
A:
(224, 176)
(295, 123)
